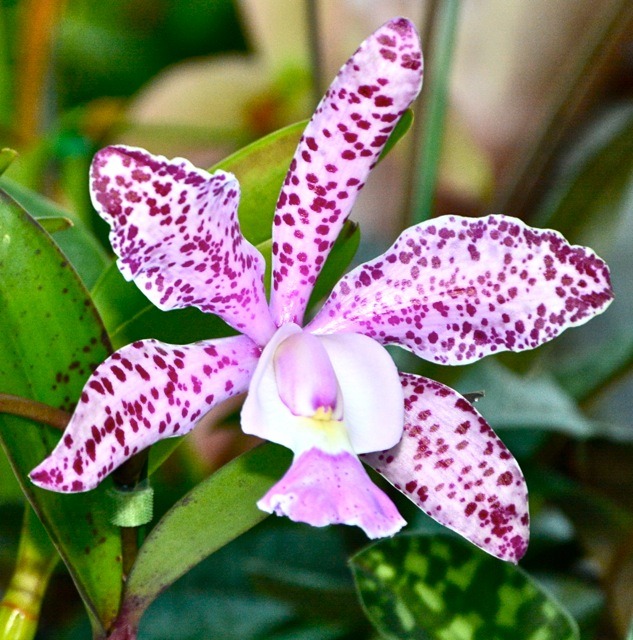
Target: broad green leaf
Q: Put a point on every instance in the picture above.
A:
(82, 249)
(212, 514)
(401, 129)
(337, 262)
(440, 587)
(128, 315)
(55, 224)
(260, 169)
(53, 339)
(9, 488)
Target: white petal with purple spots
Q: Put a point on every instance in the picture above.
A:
(175, 230)
(338, 149)
(143, 393)
(452, 465)
(454, 290)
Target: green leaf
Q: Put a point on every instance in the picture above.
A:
(9, 488)
(532, 401)
(401, 129)
(260, 169)
(439, 587)
(208, 517)
(7, 156)
(55, 223)
(82, 249)
(128, 315)
(52, 341)
(337, 262)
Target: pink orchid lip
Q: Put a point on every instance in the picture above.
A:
(322, 488)
(307, 390)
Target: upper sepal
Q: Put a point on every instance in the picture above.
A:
(338, 149)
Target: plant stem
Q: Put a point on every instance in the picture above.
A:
(36, 559)
(38, 411)
(316, 53)
(426, 165)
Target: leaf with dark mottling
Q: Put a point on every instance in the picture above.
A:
(53, 338)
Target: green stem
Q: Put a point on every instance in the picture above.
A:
(316, 54)
(27, 408)
(37, 557)
(434, 109)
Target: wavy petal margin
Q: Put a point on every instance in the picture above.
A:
(175, 230)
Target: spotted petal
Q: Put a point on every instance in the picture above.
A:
(452, 465)
(456, 289)
(175, 230)
(336, 153)
(143, 393)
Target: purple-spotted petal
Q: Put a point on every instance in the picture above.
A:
(336, 153)
(322, 488)
(454, 290)
(143, 393)
(453, 466)
(175, 230)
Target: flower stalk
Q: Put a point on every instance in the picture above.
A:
(36, 559)
(444, 28)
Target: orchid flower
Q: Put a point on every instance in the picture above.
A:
(451, 290)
